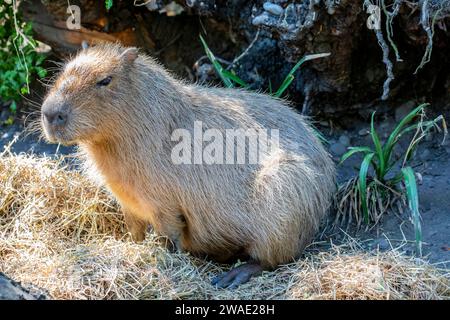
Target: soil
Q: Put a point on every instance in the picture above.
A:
(11, 290)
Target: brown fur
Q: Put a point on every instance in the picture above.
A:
(269, 211)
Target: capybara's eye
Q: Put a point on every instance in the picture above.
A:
(105, 81)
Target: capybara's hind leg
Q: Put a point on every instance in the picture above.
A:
(136, 227)
(237, 276)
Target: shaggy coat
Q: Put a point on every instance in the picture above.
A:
(269, 211)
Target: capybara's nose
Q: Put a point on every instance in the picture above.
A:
(55, 118)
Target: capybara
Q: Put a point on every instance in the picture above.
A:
(123, 110)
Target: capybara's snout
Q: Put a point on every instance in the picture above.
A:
(54, 112)
(54, 117)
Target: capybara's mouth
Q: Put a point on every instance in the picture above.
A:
(57, 136)
(62, 139)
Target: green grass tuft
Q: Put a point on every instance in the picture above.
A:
(371, 195)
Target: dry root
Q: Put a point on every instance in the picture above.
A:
(381, 199)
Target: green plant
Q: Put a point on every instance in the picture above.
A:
(373, 194)
(230, 79)
(108, 4)
(19, 60)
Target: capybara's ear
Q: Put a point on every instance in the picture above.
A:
(129, 55)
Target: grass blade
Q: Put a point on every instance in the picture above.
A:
(393, 138)
(235, 78)
(423, 127)
(219, 69)
(286, 83)
(108, 4)
(378, 149)
(362, 183)
(413, 203)
(290, 76)
(319, 134)
(352, 150)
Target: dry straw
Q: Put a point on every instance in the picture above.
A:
(61, 233)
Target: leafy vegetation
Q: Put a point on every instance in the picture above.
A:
(19, 60)
(108, 4)
(374, 191)
(230, 79)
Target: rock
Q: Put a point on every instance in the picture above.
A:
(385, 128)
(419, 177)
(425, 155)
(273, 8)
(190, 3)
(331, 10)
(344, 140)
(383, 244)
(172, 9)
(324, 124)
(290, 17)
(11, 290)
(425, 206)
(364, 112)
(363, 132)
(204, 71)
(447, 149)
(261, 19)
(338, 149)
(403, 110)
(152, 5)
(408, 251)
(4, 114)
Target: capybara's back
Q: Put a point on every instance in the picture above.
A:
(270, 209)
(222, 172)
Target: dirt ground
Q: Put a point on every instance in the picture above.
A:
(11, 290)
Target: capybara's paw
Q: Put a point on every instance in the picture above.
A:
(237, 276)
(137, 228)
(170, 245)
(137, 235)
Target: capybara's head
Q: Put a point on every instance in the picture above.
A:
(89, 96)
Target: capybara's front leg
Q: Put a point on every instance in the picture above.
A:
(136, 226)
(171, 224)
(237, 276)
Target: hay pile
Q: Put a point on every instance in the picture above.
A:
(61, 233)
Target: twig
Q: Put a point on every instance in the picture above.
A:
(243, 54)
(19, 51)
